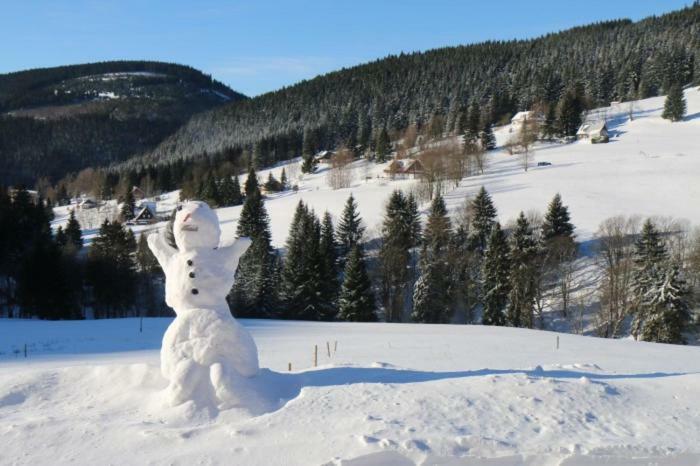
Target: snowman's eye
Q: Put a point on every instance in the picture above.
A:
(179, 207)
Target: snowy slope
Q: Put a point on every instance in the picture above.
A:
(651, 167)
(392, 394)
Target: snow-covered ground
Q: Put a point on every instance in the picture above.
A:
(651, 167)
(90, 392)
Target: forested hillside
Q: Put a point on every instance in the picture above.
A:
(57, 120)
(617, 60)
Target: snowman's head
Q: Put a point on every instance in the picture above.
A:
(196, 226)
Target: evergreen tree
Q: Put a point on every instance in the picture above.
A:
(146, 261)
(486, 137)
(356, 300)
(674, 106)
(483, 218)
(272, 185)
(570, 110)
(284, 183)
(557, 226)
(61, 239)
(665, 308)
(255, 289)
(660, 309)
(308, 150)
(301, 275)
(73, 232)
(432, 293)
(495, 277)
(523, 254)
(230, 192)
(210, 191)
(549, 127)
(350, 229)
(473, 123)
(128, 206)
(395, 254)
(383, 146)
(330, 287)
(251, 183)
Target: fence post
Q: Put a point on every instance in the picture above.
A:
(315, 355)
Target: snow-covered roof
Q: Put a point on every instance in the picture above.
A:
(592, 127)
(520, 116)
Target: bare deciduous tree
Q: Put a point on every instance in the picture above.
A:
(616, 236)
(340, 174)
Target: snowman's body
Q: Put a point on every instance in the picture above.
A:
(205, 352)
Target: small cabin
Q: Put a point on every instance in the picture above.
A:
(145, 216)
(86, 204)
(405, 168)
(324, 156)
(595, 132)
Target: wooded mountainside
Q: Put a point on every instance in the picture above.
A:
(57, 120)
(613, 60)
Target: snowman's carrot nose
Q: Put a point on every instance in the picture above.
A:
(187, 217)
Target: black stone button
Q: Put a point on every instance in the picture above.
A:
(191, 274)
(189, 261)
(195, 291)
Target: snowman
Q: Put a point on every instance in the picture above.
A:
(206, 355)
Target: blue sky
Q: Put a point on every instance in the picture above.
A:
(259, 46)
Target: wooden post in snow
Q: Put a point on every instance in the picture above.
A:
(315, 355)
(557, 341)
(328, 348)
(290, 367)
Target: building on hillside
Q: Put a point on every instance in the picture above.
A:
(324, 156)
(405, 168)
(86, 204)
(595, 132)
(138, 193)
(145, 216)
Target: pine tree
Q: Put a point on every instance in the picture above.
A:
(570, 110)
(557, 226)
(210, 191)
(284, 183)
(486, 137)
(432, 293)
(674, 106)
(356, 301)
(549, 127)
(230, 192)
(650, 259)
(73, 232)
(145, 259)
(523, 254)
(383, 146)
(308, 149)
(430, 304)
(473, 123)
(666, 309)
(483, 218)
(272, 185)
(301, 275)
(255, 289)
(495, 278)
(330, 287)
(128, 206)
(395, 254)
(350, 229)
(251, 183)
(61, 239)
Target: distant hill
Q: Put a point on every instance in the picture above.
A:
(57, 120)
(615, 60)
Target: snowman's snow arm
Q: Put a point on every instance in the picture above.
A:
(232, 254)
(160, 248)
